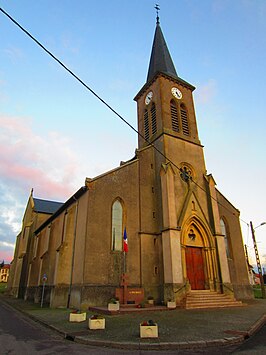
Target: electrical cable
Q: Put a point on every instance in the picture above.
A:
(107, 105)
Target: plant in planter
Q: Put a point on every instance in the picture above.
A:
(148, 329)
(77, 316)
(171, 304)
(113, 305)
(150, 300)
(141, 305)
(96, 322)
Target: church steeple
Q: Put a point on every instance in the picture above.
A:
(165, 102)
(160, 60)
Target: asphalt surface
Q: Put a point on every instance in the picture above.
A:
(179, 330)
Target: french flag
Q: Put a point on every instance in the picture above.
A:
(125, 245)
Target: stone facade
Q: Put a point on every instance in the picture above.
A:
(182, 232)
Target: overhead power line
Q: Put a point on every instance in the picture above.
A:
(107, 105)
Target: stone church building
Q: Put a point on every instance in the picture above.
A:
(182, 233)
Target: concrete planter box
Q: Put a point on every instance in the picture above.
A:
(77, 317)
(171, 304)
(151, 302)
(98, 323)
(113, 306)
(148, 331)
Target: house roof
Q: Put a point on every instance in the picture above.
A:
(45, 206)
(62, 207)
(6, 266)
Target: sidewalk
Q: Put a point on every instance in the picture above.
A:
(177, 328)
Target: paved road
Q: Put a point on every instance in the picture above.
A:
(256, 345)
(19, 335)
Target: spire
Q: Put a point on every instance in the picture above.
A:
(161, 60)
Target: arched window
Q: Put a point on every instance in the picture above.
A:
(174, 116)
(184, 119)
(224, 232)
(117, 226)
(153, 119)
(146, 125)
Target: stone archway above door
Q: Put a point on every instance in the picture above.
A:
(193, 237)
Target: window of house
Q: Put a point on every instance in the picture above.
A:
(224, 232)
(146, 125)
(174, 116)
(184, 119)
(153, 119)
(117, 226)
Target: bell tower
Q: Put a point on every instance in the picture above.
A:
(165, 102)
(178, 205)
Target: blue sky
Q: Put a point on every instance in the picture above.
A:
(54, 133)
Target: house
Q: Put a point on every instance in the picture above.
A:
(4, 272)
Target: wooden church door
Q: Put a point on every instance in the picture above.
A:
(195, 269)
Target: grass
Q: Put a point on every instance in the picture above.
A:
(257, 291)
(3, 286)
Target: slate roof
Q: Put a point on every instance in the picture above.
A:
(160, 60)
(63, 207)
(45, 206)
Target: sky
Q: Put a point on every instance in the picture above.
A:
(54, 133)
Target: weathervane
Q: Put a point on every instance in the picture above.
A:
(157, 7)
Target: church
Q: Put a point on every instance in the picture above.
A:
(181, 233)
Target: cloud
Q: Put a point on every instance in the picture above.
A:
(14, 54)
(6, 256)
(3, 96)
(5, 244)
(206, 92)
(29, 160)
(219, 6)
(70, 44)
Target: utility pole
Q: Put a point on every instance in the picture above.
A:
(258, 261)
(246, 254)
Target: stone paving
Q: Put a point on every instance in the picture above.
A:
(177, 328)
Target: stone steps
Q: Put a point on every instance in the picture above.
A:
(209, 299)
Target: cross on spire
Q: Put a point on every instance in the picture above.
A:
(157, 7)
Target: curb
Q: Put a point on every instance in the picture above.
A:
(257, 325)
(139, 345)
(162, 345)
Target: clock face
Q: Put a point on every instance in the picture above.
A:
(176, 93)
(148, 98)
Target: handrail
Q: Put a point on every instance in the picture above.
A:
(228, 288)
(180, 288)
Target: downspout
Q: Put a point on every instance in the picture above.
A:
(219, 267)
(140, 228)
(73, 253)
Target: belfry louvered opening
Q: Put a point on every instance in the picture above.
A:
(153, 119)
(146, 125)
(184, 120)
(174, 116)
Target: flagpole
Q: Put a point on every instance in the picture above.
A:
(125, 266)
(125, 250)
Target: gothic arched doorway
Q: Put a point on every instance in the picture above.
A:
(197, 256)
